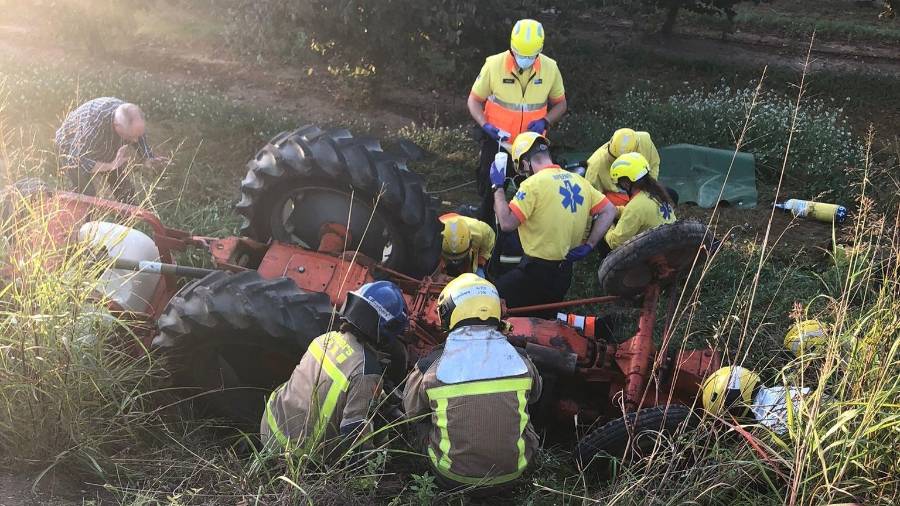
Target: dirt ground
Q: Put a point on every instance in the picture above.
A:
(20, 490)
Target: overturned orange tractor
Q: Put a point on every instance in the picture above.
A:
(325, 212)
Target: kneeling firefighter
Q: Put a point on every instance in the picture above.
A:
(649, 204)
(474, 390)
(332, 392)
(467, 244)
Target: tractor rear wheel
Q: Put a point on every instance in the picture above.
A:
(658, 255)
(232, 338)
(630, 437)
(309, 177)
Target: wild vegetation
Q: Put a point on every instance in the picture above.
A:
(77, 401)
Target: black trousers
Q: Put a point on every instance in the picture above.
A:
(535, 281)
(489, 149)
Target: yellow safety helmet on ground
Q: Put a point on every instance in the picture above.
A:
(523, 144)
(624, 140)
(457, 241)
(730, 389)
(527, 38)
(468, 299)
(806, 336)
(632, 166)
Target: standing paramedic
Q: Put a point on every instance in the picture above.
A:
(552, 210)
(511, 95)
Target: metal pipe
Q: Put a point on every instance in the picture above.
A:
(560, 305)
(161, 268)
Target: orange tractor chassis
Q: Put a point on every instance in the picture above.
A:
(629, 375)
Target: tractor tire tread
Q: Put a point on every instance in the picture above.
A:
(633, 253)
(338, 159)
(613, 438)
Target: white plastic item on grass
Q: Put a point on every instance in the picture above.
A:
(132, 291)
(775, 407)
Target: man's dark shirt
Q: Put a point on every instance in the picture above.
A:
(87, 136)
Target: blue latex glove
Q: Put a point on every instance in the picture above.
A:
(480, 272)
(498, 175)
(579, 252)
(538, 126)
(492, 131)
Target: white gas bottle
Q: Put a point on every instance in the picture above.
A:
(130, 290)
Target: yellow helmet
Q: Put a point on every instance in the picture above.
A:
(523, 144)
(630, 165)
(457, 241)
(468, 299)
(729, 389)
(527, 38)
(624, 140)
(806, 336)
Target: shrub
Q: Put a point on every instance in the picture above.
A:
(433, 37)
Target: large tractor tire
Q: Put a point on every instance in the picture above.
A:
(303, 179)
(630, 437)
(229, 339)
(658, 255)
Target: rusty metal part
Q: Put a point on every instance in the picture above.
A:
(633, 356)
(333, 238)
(561, 305)
(314, 271)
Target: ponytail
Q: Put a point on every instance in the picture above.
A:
(654, 189)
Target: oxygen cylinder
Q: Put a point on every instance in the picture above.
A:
(829, 213)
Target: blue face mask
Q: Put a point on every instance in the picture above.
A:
(525, 62)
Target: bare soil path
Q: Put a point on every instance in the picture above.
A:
(753, 49)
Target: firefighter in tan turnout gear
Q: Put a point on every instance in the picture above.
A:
(472, 393)
(332, 393)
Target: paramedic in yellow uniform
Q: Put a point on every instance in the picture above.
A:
(624, 140)
(519, 90)
(552, 211)
(649, 204)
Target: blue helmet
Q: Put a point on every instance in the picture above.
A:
(378, 310)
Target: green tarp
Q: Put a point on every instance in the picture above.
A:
(697, 174)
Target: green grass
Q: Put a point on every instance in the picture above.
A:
(829, 29)
(839, 21)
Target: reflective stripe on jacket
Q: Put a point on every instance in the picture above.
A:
(330, 393)
(514, 99)
(479, 431)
